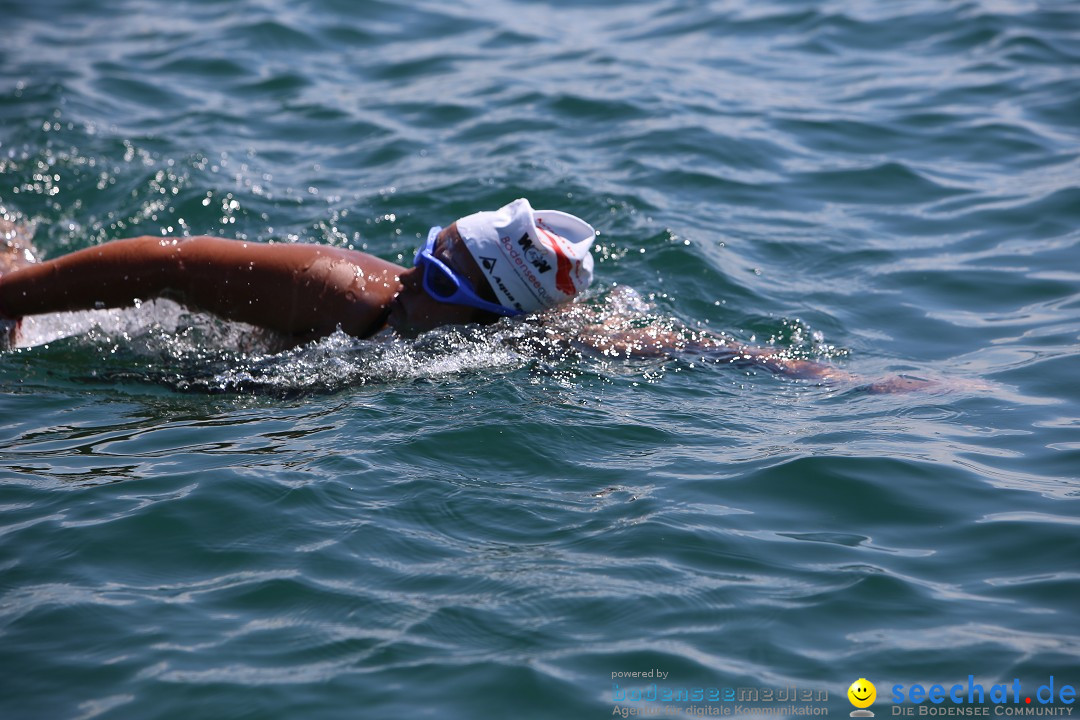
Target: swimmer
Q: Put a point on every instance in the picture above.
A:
(515, 261)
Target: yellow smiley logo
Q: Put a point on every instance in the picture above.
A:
(862, 693)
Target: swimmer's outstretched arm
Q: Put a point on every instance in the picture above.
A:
(299, 290)
(654, 342)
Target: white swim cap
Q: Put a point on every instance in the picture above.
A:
(533, 259)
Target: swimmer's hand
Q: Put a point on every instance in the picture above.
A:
(906, 383)
(899, 384)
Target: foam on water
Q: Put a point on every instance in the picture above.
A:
(160, 341)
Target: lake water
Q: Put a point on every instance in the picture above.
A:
(466, 526)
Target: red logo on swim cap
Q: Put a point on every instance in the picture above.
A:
(564, 265)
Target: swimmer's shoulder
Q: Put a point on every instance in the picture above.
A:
(370, 263)
(365, 306)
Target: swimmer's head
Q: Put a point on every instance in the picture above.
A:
(532, 259)
(515, 257)
(414, 311)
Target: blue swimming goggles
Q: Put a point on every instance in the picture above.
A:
(443, 284)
